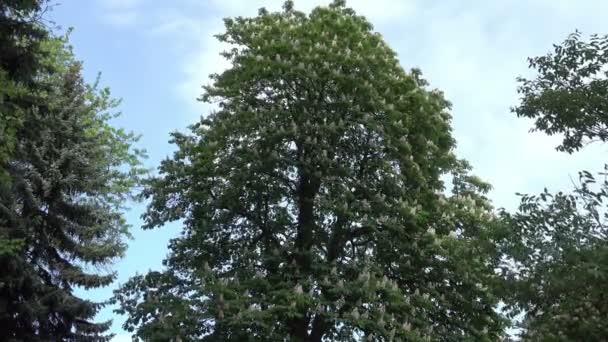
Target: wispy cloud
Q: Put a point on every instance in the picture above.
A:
(120, 13)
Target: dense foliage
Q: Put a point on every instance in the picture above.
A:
(66, 173)
(312, 201)
(21, 35)
(321, 201)
(558, 245)
(560, 249)
(569, 96)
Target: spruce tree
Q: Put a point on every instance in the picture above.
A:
(313, 200)
(68, 173)
(21, 33)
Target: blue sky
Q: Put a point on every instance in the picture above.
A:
(155, 55)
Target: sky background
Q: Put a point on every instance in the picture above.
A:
(156, 55)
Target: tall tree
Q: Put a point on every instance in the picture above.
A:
(68, 174)
(312, 199)
(557, 246)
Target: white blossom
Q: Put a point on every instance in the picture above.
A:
(442, 200)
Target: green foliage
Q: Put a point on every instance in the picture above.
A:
(68, 172)
(312, 201)
(21, 34)
(10, 247)
(569, 96)
(559, 255)
(556, 246)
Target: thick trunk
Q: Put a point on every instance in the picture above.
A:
(308, 187)
(319, 328)
(307, 191)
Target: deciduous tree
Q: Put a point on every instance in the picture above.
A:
(569, 95)
(312, 199)
(557, 247)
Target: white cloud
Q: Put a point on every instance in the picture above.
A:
(473, 51)
(122, 338)
(200, 64)
(200, 51)
(474, 54)
(120, 13)
(119, 4)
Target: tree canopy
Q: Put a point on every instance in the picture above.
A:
(313, 202)
(559, 251)
(569, 96)
(557, 244)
